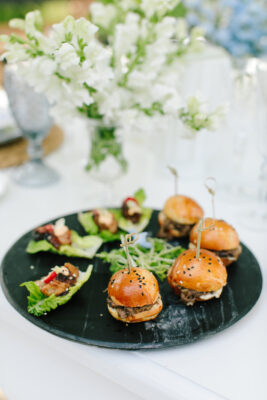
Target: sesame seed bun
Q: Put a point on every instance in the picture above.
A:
(204, 274)
(222, 237)
(183, 210)
(138, 288)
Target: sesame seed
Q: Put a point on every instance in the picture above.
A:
(210, 263)
(140, 286)
(181, 281)
(184, 272)
(142, 294)
(130, 281)
(32, 267)
(209, 270)
(190, 274)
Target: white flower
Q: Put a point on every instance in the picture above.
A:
(66, 56)
(33, 22)
(181, 28)
(14, 53)
(17, 23)
(103, 15)
(64, 30)
(158, 7)
(85, 30)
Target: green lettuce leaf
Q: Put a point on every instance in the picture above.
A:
(140, 196)
(87, 221)
(128, 226)
(85, 247)
(39, 304)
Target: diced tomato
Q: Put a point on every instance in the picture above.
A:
(50, 277)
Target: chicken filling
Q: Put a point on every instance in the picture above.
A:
(132, 211)
(57, 234)
(59, 281)
(105, 220)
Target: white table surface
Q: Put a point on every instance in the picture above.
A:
(231, 364)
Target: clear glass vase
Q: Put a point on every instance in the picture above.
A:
(106, 161)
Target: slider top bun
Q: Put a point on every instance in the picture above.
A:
(222, 237)
(204, 274)
(135, 289)
(183, 210)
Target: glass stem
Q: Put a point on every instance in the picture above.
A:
(35, 150)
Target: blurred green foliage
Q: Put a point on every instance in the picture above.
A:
(52, 10)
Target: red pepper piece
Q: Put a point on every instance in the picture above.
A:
(49, 228)
(130, 199)
(50, 277)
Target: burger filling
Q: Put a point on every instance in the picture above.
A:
(230, 255)
(124, 312)
(189, 296)
(170, 229)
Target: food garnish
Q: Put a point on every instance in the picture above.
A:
(157, 259)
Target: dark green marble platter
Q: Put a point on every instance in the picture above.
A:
(85, 318)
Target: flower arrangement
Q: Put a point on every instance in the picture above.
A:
(240, 26)
(121, 71)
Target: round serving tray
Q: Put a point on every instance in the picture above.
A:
(85, 318)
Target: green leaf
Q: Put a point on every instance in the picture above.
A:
(128, 226)
(84, 247)
(39, 304)
(87, 221)
(140, 196)
(108, 236)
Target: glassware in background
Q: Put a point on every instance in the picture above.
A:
(31, 112)
(242, 125)
(106, 162)
(256, 217)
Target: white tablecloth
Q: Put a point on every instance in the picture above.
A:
(231, 364)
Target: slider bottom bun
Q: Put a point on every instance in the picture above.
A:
(226, 259)
(141, 316)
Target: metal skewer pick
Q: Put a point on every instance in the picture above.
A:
(176, 177)
(212, 190)
(127, 241)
